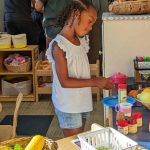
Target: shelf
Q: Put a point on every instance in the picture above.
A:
(44, 72)
(6, 72)
(13, 98)
(44, 90)
(27, 48)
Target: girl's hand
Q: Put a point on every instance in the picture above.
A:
(104, 83)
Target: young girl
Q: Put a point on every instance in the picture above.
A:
(71, 95)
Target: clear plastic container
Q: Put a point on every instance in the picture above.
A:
(108, 138)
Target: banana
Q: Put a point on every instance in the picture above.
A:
(36, 143)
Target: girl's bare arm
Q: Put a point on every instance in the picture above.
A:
(69, 82)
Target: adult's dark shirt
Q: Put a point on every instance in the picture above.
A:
(17, 10)
(18, 20)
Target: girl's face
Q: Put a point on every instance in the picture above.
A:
(84, 21)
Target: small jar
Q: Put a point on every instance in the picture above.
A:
(119, 116)
(123, 126)
(132, 125)
(122, 93)
(138, 117)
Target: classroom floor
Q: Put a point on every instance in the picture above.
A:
(45, 107)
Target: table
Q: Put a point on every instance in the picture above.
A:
(142, 135)
(65, 143)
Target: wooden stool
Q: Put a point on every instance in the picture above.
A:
(95, 71)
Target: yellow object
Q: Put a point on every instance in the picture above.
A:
(5, 46)
(139, 122)
(147, 89)
(36, 143)
(144, 97)
(132, 128)
(5, 40)
(19, 41)
(20, 45)
(5, 148)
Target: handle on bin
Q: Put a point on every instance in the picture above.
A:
(117, 107)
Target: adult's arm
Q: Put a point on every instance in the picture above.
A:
(39, 5)
(33, 3)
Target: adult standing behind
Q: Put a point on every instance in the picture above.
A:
(17, 19)
(51, 10)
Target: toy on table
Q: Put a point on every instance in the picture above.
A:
(119, 78)
(123, 126)
(142, 58)
(144, 97)
(112, 101)
(132, 125)
(138, 117)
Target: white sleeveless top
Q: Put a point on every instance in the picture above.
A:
(71, 100)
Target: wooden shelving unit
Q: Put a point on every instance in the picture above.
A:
(31, 51)
(42, 73)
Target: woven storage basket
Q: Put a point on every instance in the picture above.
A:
(130, 7)
(25, 67)
(49, 144)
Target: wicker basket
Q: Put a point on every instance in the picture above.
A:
(49, 144)
(25, 67)
(130, 7)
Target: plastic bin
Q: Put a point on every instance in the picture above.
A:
(19, 41)
(5, 40)
(108, 138)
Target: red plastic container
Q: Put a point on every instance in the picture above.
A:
(119, 78)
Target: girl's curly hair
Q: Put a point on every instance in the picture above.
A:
(71, 9)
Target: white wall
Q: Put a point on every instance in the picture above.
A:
(1, 15)
(122, 41)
